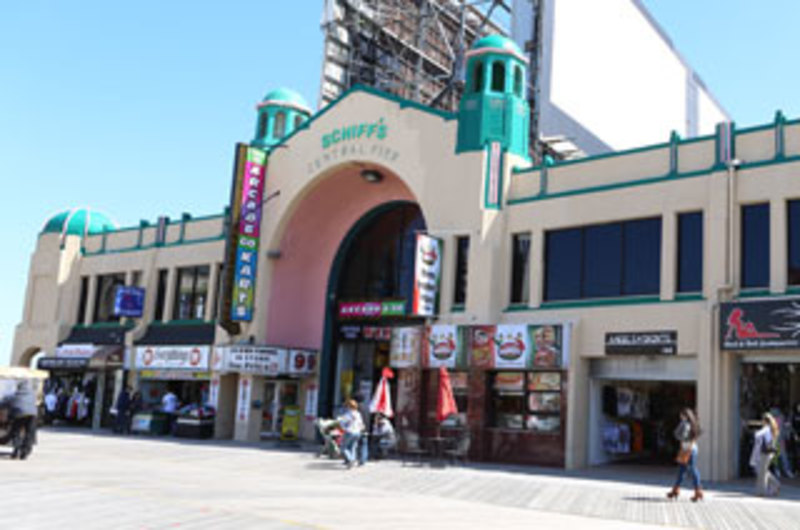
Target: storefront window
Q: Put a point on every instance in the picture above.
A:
(794, 242)
(602, 261)
(462, 260)
(755, 245)
(104, 299)
(690, 252)
(191, 293)
(520, 257)
(526, 401)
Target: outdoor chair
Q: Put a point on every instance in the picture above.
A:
(411, 449)
(460, 450)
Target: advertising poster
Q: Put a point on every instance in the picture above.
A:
(427, 270)
(129, 301)
(249, 228)
(482, 346)
(512, 346)
(243, 397)
(442, 346)
(404, 349)
(290, 423)
(213, 394)
(547, 345)
(544, 381)
(311, 402)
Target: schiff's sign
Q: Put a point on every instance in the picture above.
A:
(767, 325)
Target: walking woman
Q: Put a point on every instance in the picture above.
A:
(765, 443)
(687, 432)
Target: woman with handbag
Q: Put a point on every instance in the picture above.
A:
(765, 447)
(687, 432)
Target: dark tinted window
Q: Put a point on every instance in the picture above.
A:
(794, 242)
(462, 257)
(755, 245)
(641, 270)
(477, 77)
(83, 299)
(498, 77)
(690, 252)
(104, 298)
(161, 295)
(563, 264)
(602, 260)
(521, 244)
(191, 293)
(262, 124)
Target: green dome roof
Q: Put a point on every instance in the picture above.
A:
(78, 222)
(498, 42)
(286, 95)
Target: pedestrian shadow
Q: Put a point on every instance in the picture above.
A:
(642, 498)
(326, 465)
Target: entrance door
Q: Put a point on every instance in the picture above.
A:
(278, 394)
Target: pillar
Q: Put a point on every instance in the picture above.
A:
(213, 281)
(778, 242)
(169, 299)
(91, 295)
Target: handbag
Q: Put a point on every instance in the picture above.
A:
(684, 455)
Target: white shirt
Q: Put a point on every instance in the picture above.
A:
(762, 438)
(169, 403)
(50, 402)
(352, 422)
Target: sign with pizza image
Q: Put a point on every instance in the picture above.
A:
(482, 346)
(443, 346)
(195, 358)
(512, 346)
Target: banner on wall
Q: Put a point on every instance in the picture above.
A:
(249, 228)
(302, 362)
(427, 271)
(442, 346)
(547, 345)
(512, 346)
(482, 346)
(194, 358)
(243, 398)
(404, 348)
(129, 301)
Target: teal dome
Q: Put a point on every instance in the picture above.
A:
(288, 97)
(78, 222)
(498, 42)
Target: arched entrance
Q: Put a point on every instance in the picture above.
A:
(374, 267)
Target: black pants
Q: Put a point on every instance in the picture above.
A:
(23, 434)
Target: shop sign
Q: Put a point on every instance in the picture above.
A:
(763, 325)
(386, 308)
(173, 358)
(350, 332)
(512, 346)
(129, 301)
(258, 360)
(405, 347)
(549, 345)
(427, 270)
(375, 130)
(443, 346)
(249, 228)
(302, 362)
(175, 375)
(482, 346)
(642, 343)
(62, 363)
(75, 351)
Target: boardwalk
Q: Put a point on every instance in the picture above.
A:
(82, 481)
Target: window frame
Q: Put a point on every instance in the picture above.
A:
(498, 77)
(521, 277)
(683, 262)
(744, 251)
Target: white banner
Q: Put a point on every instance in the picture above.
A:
(311, 402)
(213, 394)
(243, 397)
(512, 346)
(427, 269)
(405, 346)
(258, 360)
(75, 351)
(194, 358)
(443, 346)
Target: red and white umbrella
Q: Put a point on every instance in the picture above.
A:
(382, 399)
(447, 402)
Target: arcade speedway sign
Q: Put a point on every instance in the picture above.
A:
(195, 358)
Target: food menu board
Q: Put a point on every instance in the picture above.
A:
(544, 381)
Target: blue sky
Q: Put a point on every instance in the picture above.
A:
(134, 108)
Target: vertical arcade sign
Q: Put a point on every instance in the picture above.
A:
(245, 227)
(427, 272)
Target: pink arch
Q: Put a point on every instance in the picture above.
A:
(296, 307)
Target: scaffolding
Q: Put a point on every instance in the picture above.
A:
(411, 48)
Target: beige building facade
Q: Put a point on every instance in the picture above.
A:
(626, 265)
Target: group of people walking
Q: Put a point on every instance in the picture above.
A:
(764, 458)
(356, 440)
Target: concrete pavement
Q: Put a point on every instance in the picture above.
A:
(75, 479)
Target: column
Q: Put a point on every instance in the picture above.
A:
(169, 299)
(778, 243)
(91, 295)
(211, 297)
(669, 254)
(536, 269)
(97, 414)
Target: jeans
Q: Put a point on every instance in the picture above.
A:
(349, 446)
(692, 467)
(766, 482)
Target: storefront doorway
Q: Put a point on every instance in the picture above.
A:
(372, 284)
(278, 394)
(774, 387)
